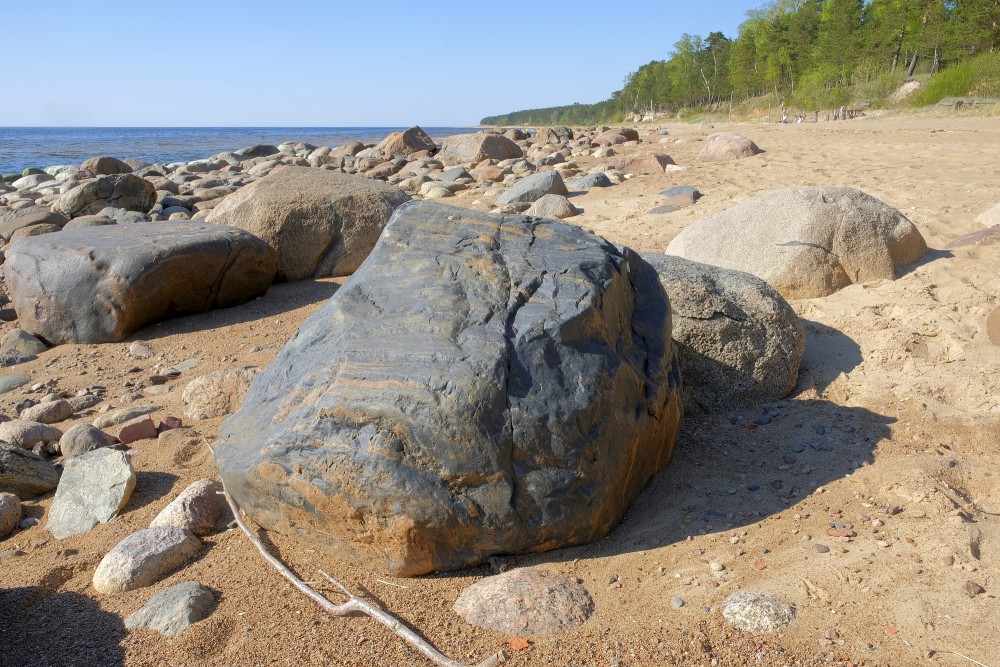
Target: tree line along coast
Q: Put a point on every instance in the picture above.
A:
(809, 55)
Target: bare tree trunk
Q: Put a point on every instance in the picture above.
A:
(913, 65)
(937, 60)
(899, 46)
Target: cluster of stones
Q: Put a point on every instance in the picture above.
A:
(475, 388)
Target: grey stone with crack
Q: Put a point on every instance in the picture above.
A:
(174, 610)
(482, 385)
(739, 343)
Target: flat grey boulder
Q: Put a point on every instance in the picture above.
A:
(25, 474)
(83, 438)
(525, 602)
(145, 557)
(532, 188)
(482, 385)
(174, 610)
(723, 146)
(466, 148)
(99, 284)
(587, 181)
(93, 488)
(126, 191)
(9, 383)
(805, 242)
(123, 415)
(738, 342)
(321, 223)
(198, 508)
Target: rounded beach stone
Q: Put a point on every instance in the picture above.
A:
(27, 434)
(805, 242)
(739, 343)
(10, 513)
(82, 438)
(526, 601)
(556, 207)
(145, 557)
(757, 611)
(727, 146)
(49, 412)
(198, 508)
(217, 394)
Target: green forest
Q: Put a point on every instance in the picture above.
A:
(811, 55)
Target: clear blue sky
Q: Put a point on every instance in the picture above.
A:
(296, 63)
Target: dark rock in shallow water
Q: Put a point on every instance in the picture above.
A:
(99, 284)
(482, 385)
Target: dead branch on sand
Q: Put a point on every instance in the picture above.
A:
(355, 606)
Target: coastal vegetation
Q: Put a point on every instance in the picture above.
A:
(810, 54)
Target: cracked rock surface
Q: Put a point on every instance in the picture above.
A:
(99, 284)
(482, 385)
(805, 242)
(738, 342)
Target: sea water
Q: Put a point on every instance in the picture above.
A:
(40, 147)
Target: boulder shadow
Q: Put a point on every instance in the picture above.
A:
(44, 627)
(737, 469)
(932, 255)
(280, 298)
(150, 487)
(829, 353)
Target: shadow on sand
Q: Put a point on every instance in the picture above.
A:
(42, 628)
(736, 469)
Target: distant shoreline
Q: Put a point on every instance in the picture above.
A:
(40, 147)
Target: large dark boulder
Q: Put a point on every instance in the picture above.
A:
(322, 223)
(99, 284)
(482, 385)
(738, 342)
(126, 191)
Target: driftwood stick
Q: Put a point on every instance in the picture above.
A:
(355, 606)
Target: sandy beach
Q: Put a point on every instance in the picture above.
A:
(892, 429)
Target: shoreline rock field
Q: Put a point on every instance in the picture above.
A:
(464, 378)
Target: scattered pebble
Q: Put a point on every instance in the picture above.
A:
(821, 548)
(677, 603)
(973, 589)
